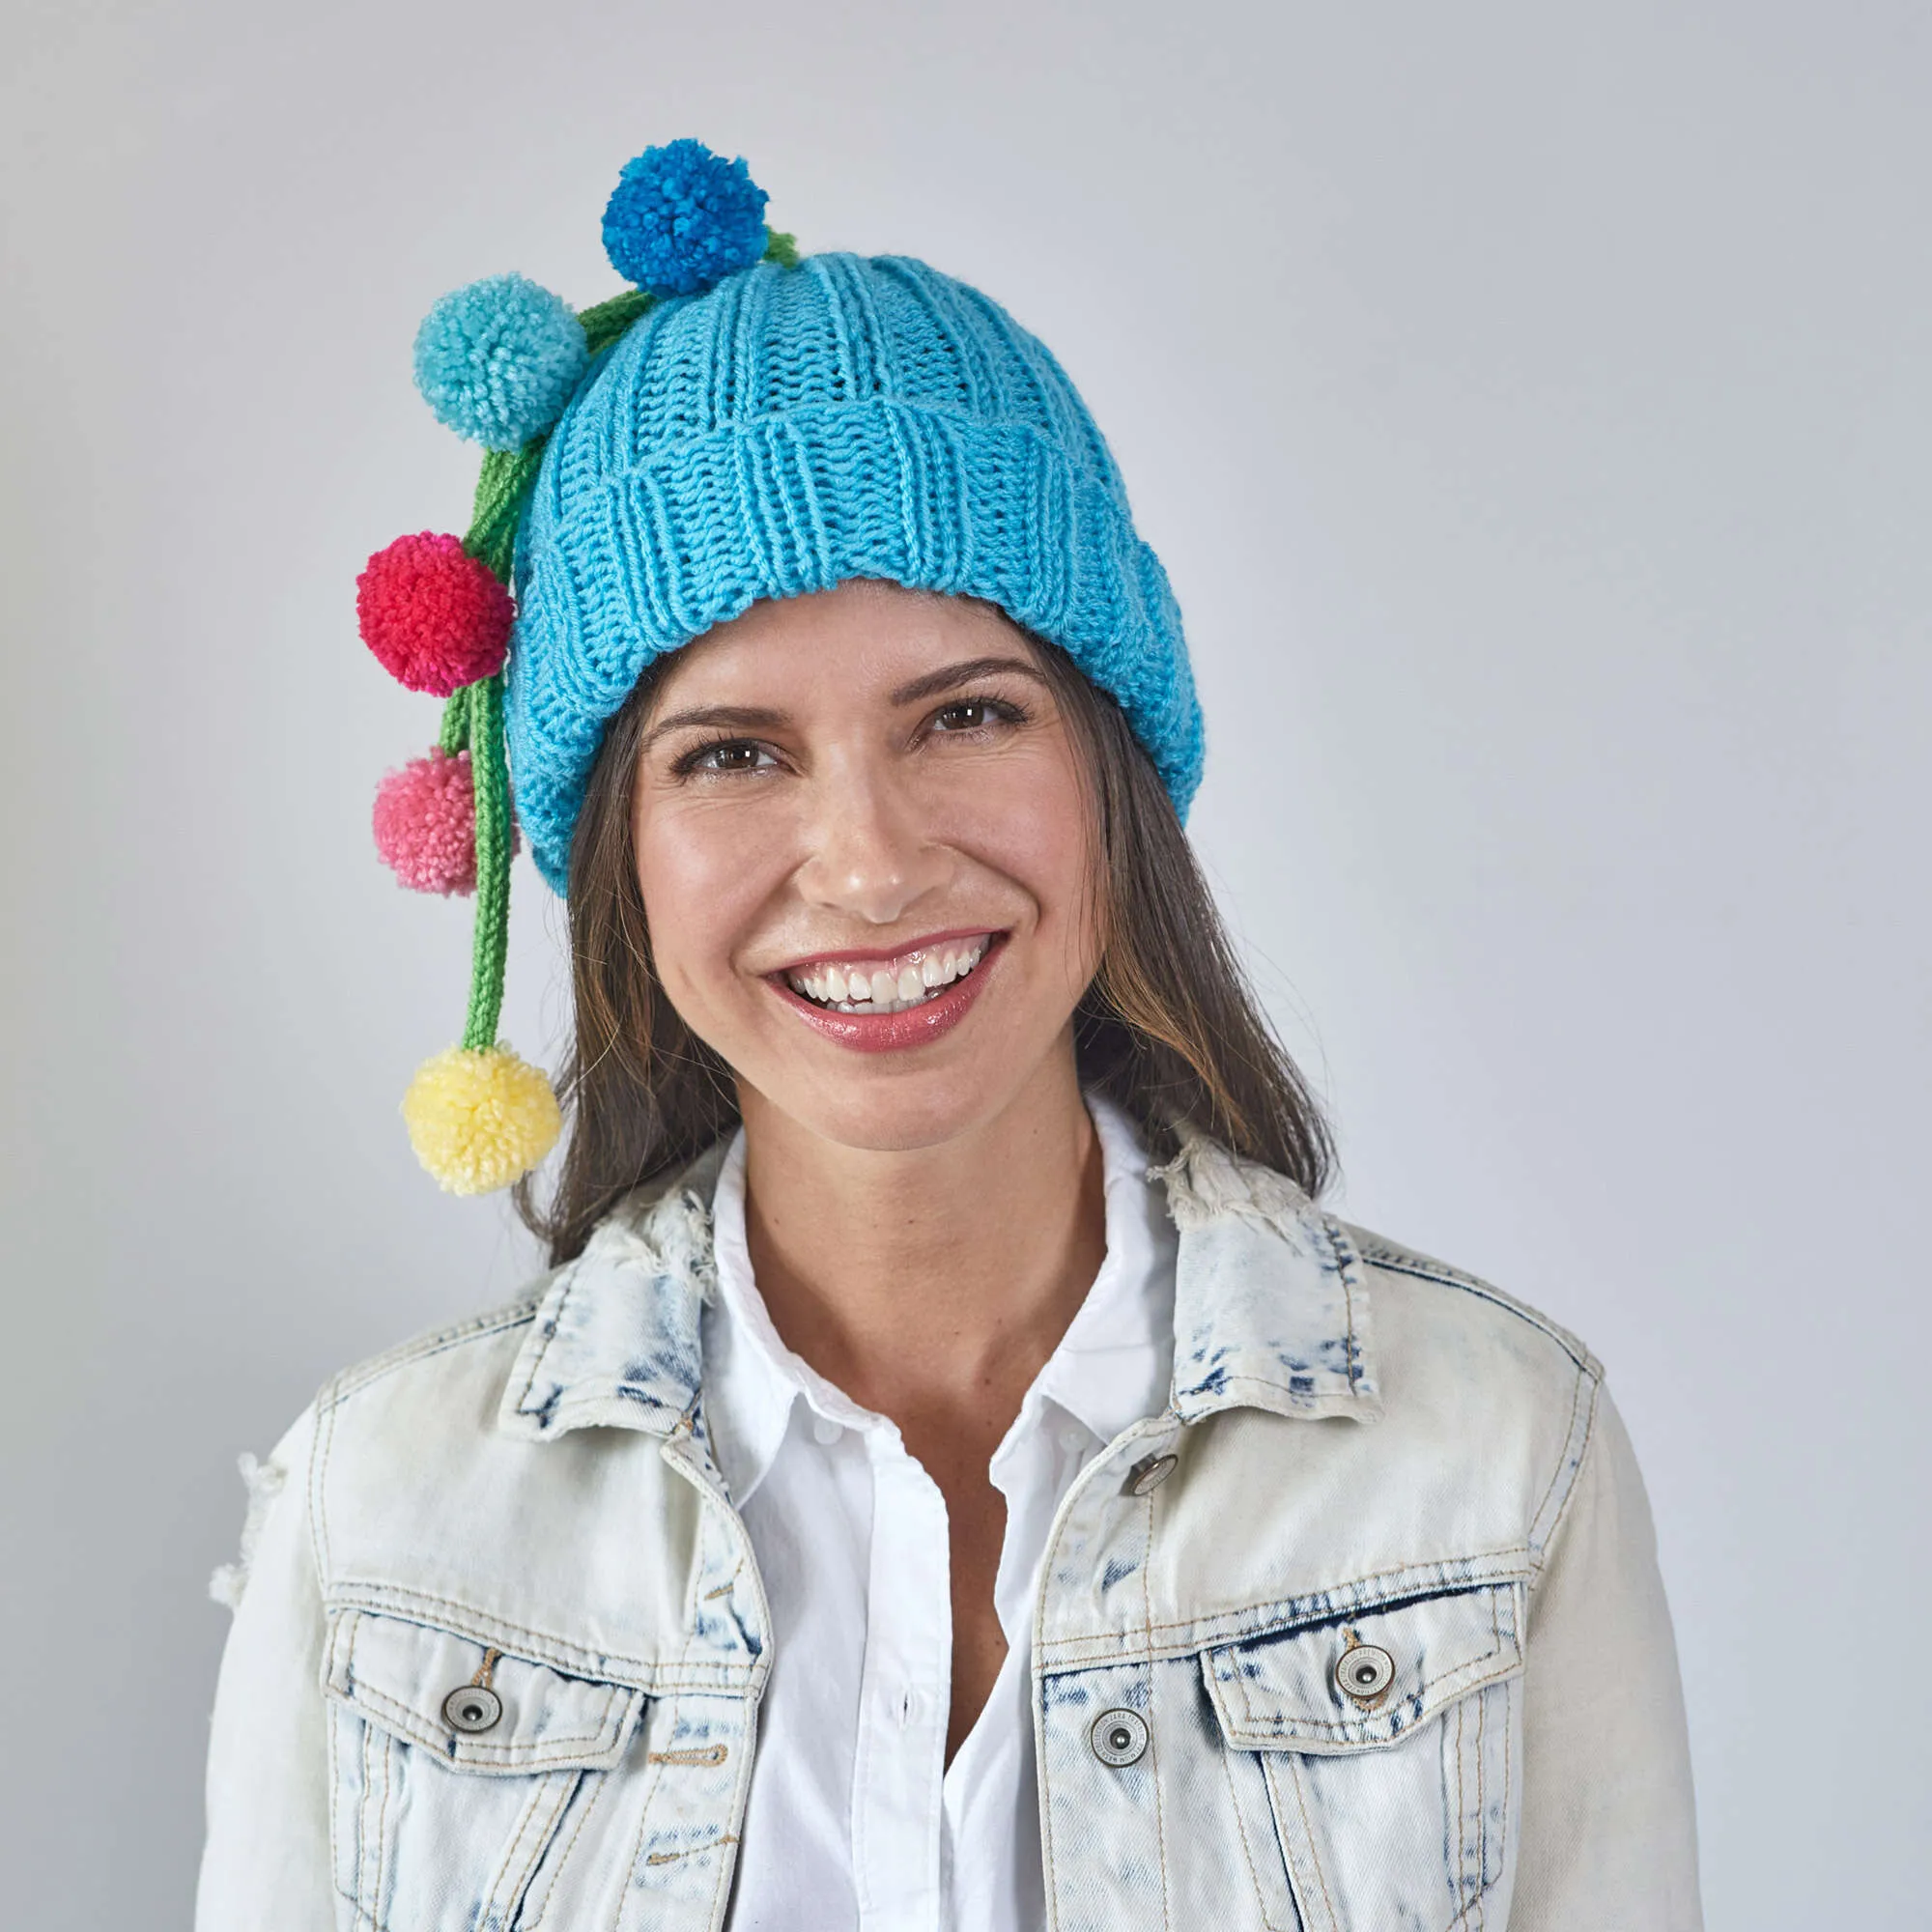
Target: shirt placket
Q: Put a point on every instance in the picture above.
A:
(904, 1696)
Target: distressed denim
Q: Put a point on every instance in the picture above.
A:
(1382, 1466)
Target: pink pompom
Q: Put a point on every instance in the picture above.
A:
(435, 617)
(426, 824)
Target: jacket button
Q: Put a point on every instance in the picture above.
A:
(1118, 1737)
(472, 1708)
(1364, 1673)
(1145, 1478)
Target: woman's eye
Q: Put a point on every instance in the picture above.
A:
(971, 714)
(737, 755)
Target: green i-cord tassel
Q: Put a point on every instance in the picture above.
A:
(479, 1118)
(490, 780)
(454, 735)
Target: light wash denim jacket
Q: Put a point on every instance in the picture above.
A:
(1384, 1646)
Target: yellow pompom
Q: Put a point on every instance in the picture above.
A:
(480, 1120)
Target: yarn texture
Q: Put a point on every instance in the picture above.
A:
(497, 361)
(425, 824)
(481, 1118)
(681, 219)
(435, 617)
(796, 427)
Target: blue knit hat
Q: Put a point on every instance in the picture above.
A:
(740, 425)
(795, 427)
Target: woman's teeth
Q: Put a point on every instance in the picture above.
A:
(890, 986)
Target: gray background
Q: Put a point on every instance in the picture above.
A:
(1531, 404)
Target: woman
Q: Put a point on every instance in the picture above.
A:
(955, 1474)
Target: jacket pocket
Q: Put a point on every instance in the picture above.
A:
(1384, 1749)
(454, 1768)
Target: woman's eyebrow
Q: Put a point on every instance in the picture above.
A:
(951, 676)
(733, 717)
(757, 718)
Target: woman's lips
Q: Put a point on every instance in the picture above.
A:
(891, 1033)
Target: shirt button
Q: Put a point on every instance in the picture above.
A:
(1070, 1439)
(472, 1708)
(825, 1432)
(1118, 1738)
(1145, 1478)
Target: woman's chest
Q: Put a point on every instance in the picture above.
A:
(1260, 1688)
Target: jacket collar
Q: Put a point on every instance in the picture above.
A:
(1270, 1308)
(616, 1339)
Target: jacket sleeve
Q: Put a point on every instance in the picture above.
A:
(1609, 1827)
(267, 1858)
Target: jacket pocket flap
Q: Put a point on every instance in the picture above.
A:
(403, 1678)
(1288, 1692)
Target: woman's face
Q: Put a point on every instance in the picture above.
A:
(864, 849)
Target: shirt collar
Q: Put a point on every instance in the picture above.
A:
(1270, 1309)
(1113, 1364)
(755, 1380)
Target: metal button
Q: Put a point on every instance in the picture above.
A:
(1145, 1478)
(472, 1708)
(1364, 1673)
(1117, 1737)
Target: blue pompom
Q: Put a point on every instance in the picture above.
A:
(681, 219)
(497, 361)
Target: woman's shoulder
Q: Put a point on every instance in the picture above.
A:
(1413, 1281)
(1308, 1281)
(421, 1361)
(449, 1484)
(1475, 1384)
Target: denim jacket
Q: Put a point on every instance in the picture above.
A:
(1363, 1631)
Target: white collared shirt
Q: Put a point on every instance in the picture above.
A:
(855, 1820)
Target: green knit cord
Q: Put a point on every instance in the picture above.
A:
(472, 719)
(454, 737)
(604, 322)
(502, 489)
(491, 779)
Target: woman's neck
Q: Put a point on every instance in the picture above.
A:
(936, 1279)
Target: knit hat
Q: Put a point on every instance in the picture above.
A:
(744, 424)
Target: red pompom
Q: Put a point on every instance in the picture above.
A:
(435, 617)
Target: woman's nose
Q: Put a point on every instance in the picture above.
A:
(869, 852)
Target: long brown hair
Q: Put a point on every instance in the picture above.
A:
(1169, 1028)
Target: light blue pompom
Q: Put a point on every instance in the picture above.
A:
(497, 360)
(682, 219)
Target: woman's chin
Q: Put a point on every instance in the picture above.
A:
(892, 1103)
(884, 1114)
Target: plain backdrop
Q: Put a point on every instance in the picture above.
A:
(1531, 403)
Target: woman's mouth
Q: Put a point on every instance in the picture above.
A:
(883, 1003)
(893, 985)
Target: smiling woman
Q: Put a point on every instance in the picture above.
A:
(903, 713)
(935, 1485)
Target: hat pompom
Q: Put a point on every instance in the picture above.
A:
(435, 617)
(497, 361)
(682, 219)
(481, 1118)
(425, 824)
